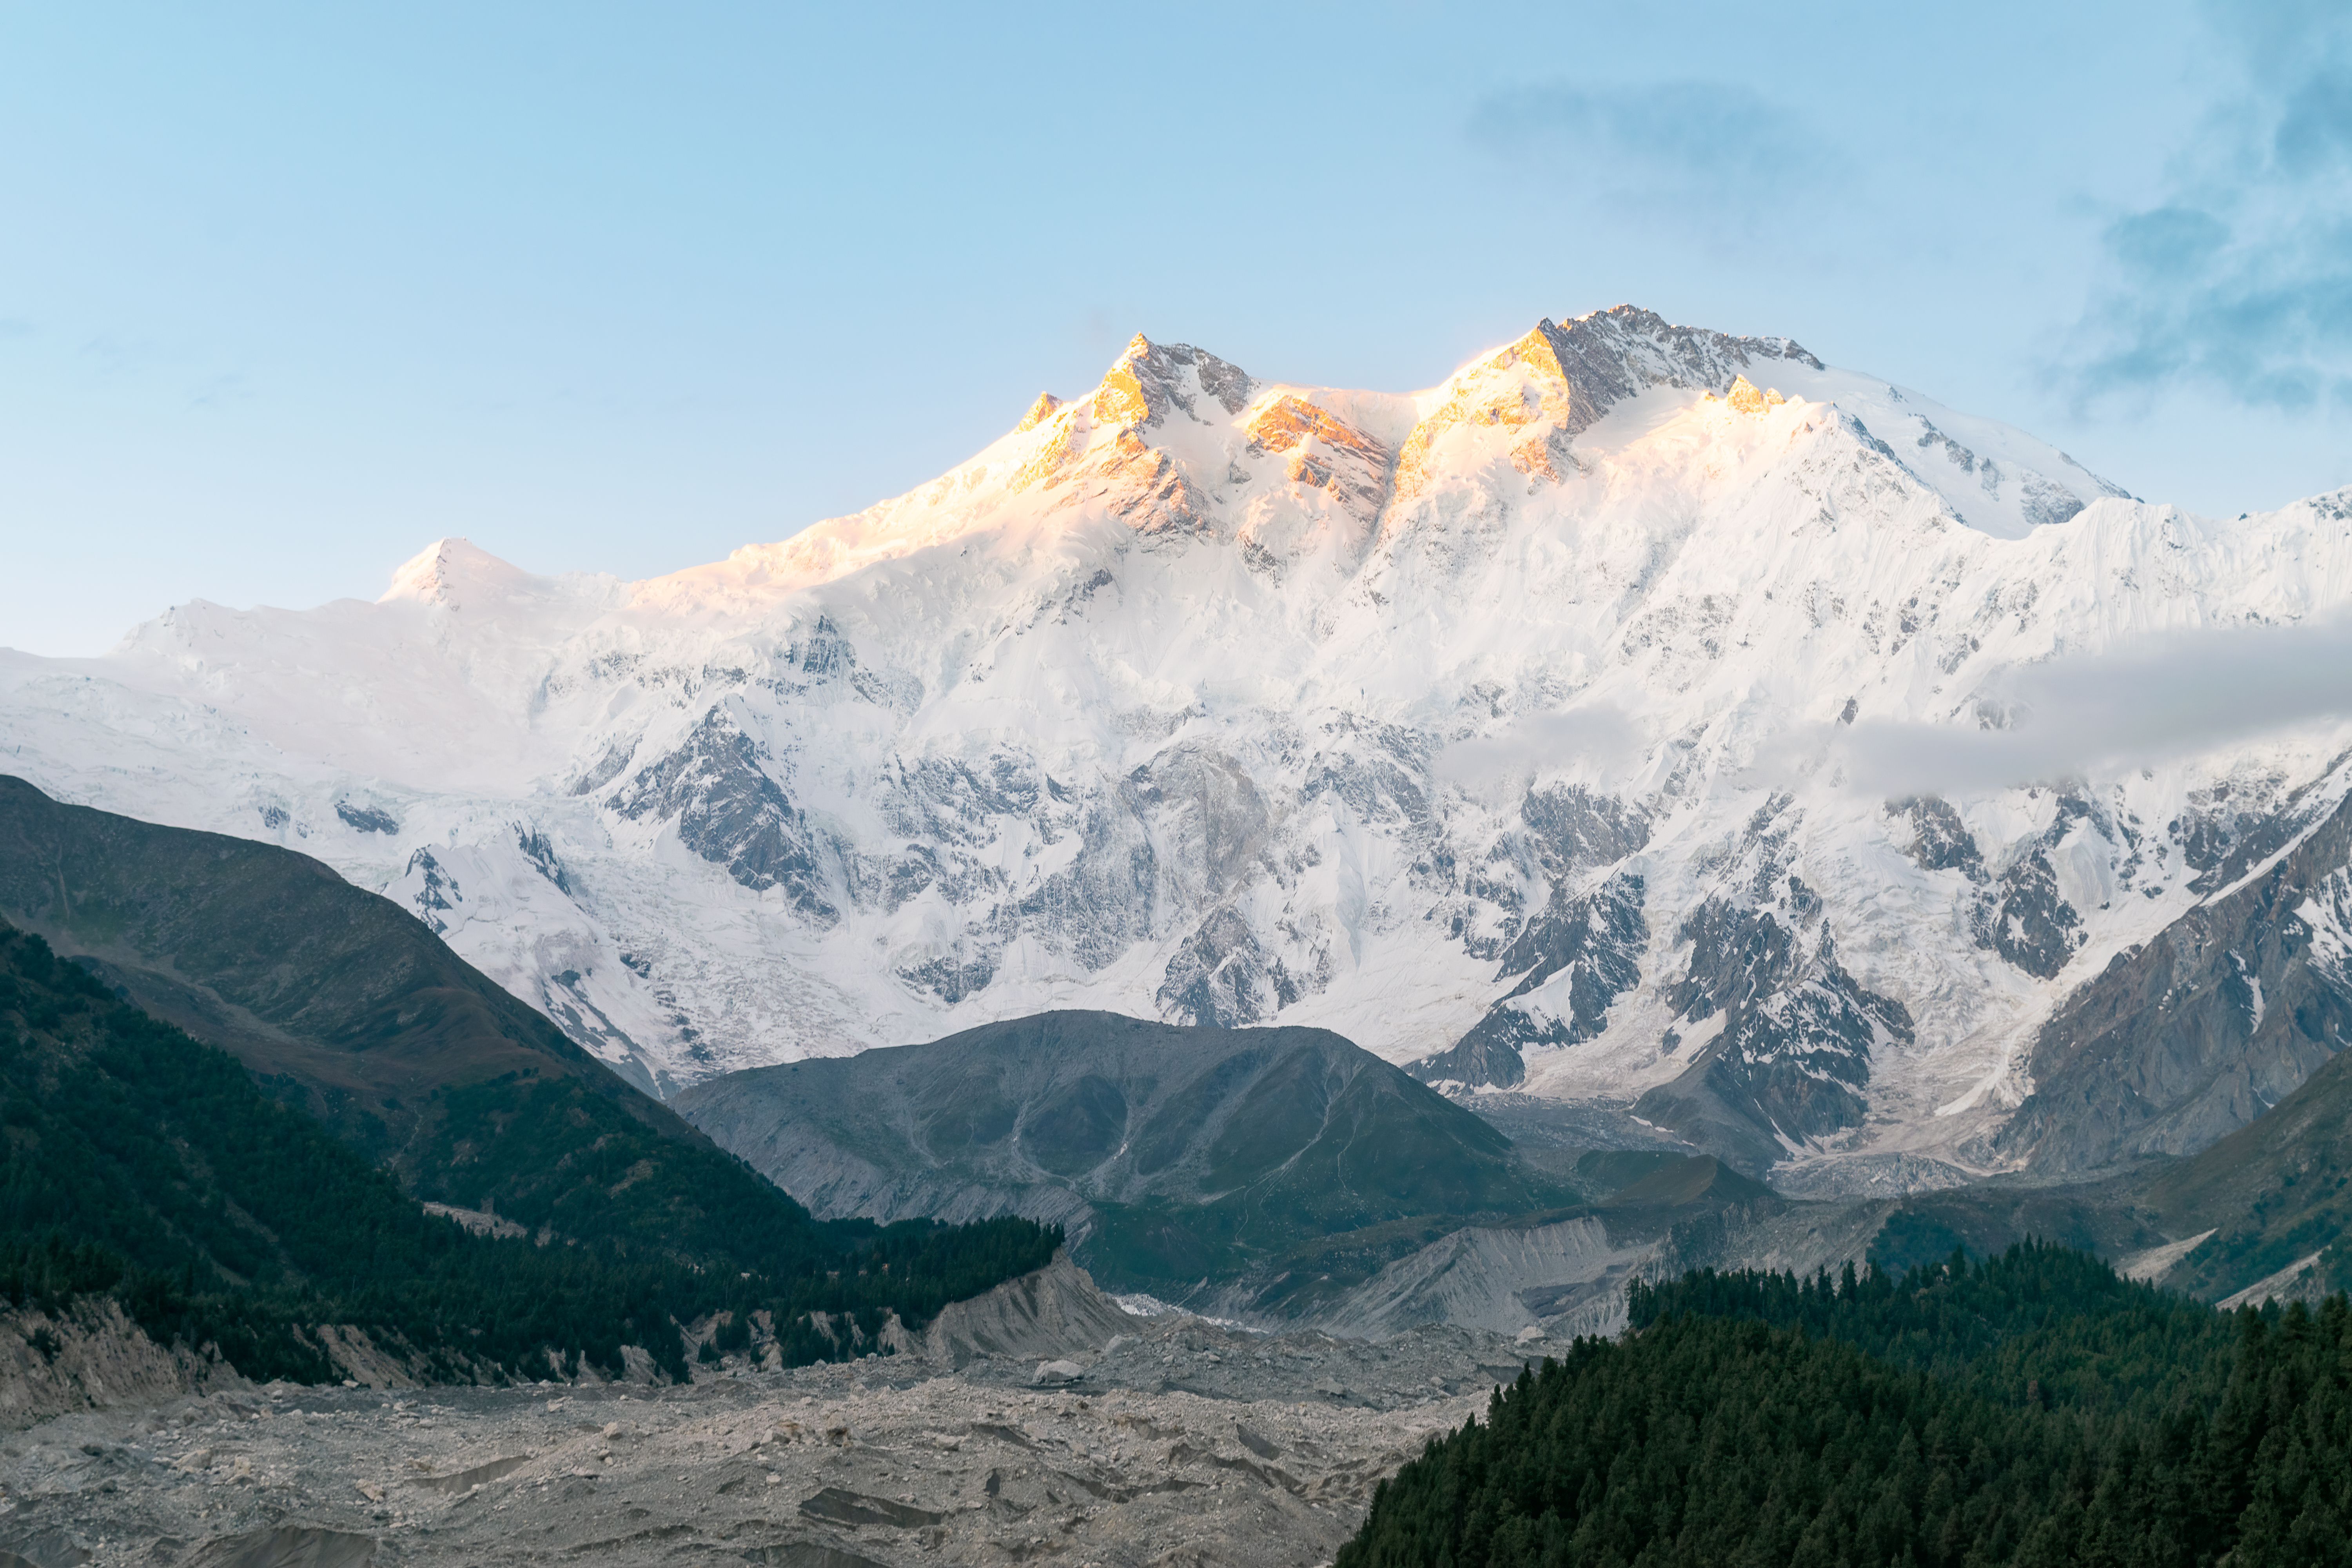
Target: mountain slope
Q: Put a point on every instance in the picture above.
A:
(1517, 727)
(1171, 1152)
(343, 1005)
(143, 1163)
(2216, 1019)
(2269, 1198)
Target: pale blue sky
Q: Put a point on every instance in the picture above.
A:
(287, 291)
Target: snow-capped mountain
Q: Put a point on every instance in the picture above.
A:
(1506, 727)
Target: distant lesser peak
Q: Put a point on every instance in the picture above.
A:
(1039, 411)
(437, 574)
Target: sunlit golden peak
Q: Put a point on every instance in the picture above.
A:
(1745, 396)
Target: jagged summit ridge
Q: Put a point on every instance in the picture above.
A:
(1354, 465)
(1479, 724)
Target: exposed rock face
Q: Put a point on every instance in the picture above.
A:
(727, 808)
(1554, 384)
(1320, 449)
(1577, 956)
(90, 1357)
(1789, 1033)
(1574, 829)
(1792, 1056)
(2032, 925)
(1039, 412)
(366, 818)
(1055, 1312)
(2208, 1024)
(1944, 842)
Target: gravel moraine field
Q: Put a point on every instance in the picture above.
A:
(1181, 1442)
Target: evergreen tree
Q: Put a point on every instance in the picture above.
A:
(2030, 1409)
(142, 1164)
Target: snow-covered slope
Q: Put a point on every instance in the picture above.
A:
(1506, 723)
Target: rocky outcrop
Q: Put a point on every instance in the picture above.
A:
(1941, 840)
(1055, 1312)
(1781, 1036)
(1324, 452)
(728, 809)
(1553, 383)
(91, 1356)
(1499, 1279)
(1579, 956)
(1790, 1058)
(2199, 1031)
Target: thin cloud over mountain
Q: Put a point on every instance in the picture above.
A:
(2163, 699)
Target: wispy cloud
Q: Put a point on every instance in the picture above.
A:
(2156, 700)
(1714, 143)
(2239, 278)
(2098, 717)
(1601, 738)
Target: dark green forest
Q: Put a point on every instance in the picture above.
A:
(2031, 1408)
(145, 1165)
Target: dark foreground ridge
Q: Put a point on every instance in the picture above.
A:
(146, 1166)
(343, 1005)
(1184, 1157)
(2030, 1409)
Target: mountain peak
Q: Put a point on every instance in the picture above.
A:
(1149, 379)
(1545, 389)
(1748, 398)
(1611, 354)
(1039, 412)
(443, 569)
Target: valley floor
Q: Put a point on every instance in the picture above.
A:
(1184, 1443)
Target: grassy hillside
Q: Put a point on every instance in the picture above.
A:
(142, 1163)
(2031, 1409)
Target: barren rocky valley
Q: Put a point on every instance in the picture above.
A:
(1178, 1442)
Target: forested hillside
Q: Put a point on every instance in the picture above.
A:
(145, 1165)
(345, 1006)
(2030, 1409)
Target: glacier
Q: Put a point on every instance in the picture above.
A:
(1505, 727)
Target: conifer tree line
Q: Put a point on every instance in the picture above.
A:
(145, 1166)
(2032, 1408)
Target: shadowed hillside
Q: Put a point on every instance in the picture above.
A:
(1183, 1155)
(146, 1165)
(342, 1004)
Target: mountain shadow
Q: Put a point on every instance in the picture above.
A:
(143, 1166)
(1183, 1158)
(341, 1004)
